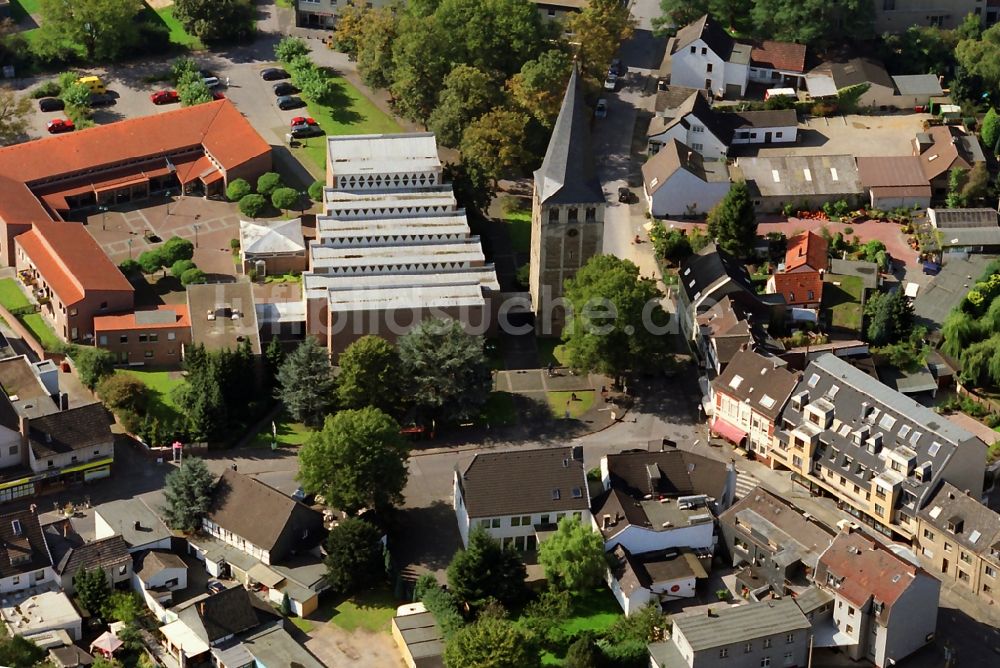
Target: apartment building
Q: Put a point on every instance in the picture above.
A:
(878, 452)
(959, 542)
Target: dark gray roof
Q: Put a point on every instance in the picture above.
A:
(866, 271)
(22, 544)
(856, 71)
(103, 553)
(710, 32)
(980, 526)
(274, 646)
(681, 473)
(567, 174)
(226, 613)
(524, 481)
(70, 656)
(672, 97)
(700, 272)
(731, 625)
(917, 84)
(962, 218)
(812, 598)
(765, 383)
(773, 118)
(134, 520)
(73, 429)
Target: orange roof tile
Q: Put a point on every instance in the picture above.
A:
(797, 286)
(127, 321)
(806, 250)
(786, 56)
(867, 568)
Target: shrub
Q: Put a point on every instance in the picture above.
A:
(130, 268)
(290, 47)
(192, 276)
(234, 245)
(237, 190)
(316, 191)
(151, 261)
(123, 392)
(268, 183)
(178, 268)
(284, 198)
(50, 88)
(176, 249)
(252, 205)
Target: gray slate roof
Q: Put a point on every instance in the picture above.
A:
(103, 553)
(567, 174)
(980, 526)
(917, 84)
(67, 431)
(22, 544)
(765, 383)
(123, 516)
(737, 624)
(701, 271)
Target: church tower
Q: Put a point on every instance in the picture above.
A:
(567, 210)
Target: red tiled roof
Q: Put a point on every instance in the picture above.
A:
(796, 287)
(70, 260)
(806, 250)
(125, 321)
(786, 56)
(943, 154)
(867, 569)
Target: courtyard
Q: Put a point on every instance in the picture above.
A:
(854, 135)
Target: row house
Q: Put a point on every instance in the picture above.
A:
(800, 279)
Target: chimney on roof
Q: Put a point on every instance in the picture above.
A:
(690, 155)
(711, 613)
(577, 453)
(65, 529)
(63, 401)
(137, 526)
(653, 477)
(968, 492)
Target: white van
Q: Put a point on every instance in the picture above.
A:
(779, 92)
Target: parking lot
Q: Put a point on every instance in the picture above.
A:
(854, 135)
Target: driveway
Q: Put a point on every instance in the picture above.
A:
(336, 648)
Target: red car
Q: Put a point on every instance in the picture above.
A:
(59, 125)
(218, 95)
(302, 120)
(164, 97)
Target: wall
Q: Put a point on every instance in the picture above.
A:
(912, 619)
(27, 580)
(683, 193)
(228, 537)
(704, 142)
(162, 352)
(690, 69)
(249, 170)
(636, 600)
(346, 327)
(786, 134)
(638, 539)
(736, 75)
(277, 264)
(60, 460)
(160, 579)
(113, 573)
(461, 514)
(947, 13)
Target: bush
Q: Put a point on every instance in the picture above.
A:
(130, 268)
(252, 205)
(268, 183)
(290, 47)
(154, 37)
(192, 276)
(123, 392)
(48, 89)
(176, 249)
(178, 268)
(316, 191)
(285, 198)
(237, 190)
(151, 261)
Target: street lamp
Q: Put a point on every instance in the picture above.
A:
(168, 202)
(104, 215)
(195, 227)
(303, 198)
(129, 247)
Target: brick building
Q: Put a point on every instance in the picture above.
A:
(149, 336)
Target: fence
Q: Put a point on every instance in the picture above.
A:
(28, 336)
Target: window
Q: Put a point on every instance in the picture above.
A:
(143, 338)
(697, 128)
(765, 662)
(850, 629)
(963, 576)
(148, 354)
(790, 638)
(17, 579)
(767, 643)
(796, 461)
(704, 51)
(879, 493)
(724, 653)
(515, 521)
(591, 215)
(495, 523)
(990, 572)
(964, 556)
(553, 215)
(123, 569)
(947, 547)
(171, 336)
(928, 534)
(778, 135)
(13, 450)
(850, 610)
(694, 49)
(73, 311)
(102, 340)
(572, 214)
(50, 463)
(987, 589)
(708, 67)
(97, 451)
(484, 524)
(698, 147)
(879, 510)
(72, 459)
(123, 338)
(153, 337)
(39, 575)
(552, 12)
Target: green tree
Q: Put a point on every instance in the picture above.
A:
(350, 22)
(599, 28)
(151, 261)
(379, 32)
(92, 589)
(274, 355)
(16, 651)
(676, 14)
(306, 383)
(370, 375)
(289, 47)
(285, 198)
(583, 653)
(188, 492)
(981, 57)
(268, 182)
(439, 602)
(890, 317)
(193, 276)
(92, 364)
(252, 206)
(91, 30)
(468, 93)
(445, 371)
(192, 90)
(216, 21)
(813, 22)
(130, 268)
(355, 557)
(492, 34)
(123, 392)
(176, 249)
(182, 66)
(920, 49)
(626, 642)
(959, 331)
(573, 557)
(178, 268)
(957, 178)
(541, 84)
(484, 570)
(614, 319)
(473, 189)
(419, 65)
(733, 222)
(356, 461)
(237, 190)
(977, 184)
(14, 112)
(316, 191)
(492, 643)
(496, 144)
(672, 245)
(990, 131)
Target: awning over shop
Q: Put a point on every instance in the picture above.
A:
(733, 434)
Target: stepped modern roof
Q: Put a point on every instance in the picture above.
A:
(381, 154)
(567, 174)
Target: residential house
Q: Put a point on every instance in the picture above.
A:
(223, 316)
(636, 580)
(961, 232)
(272, 248)
(679, 182)
(157, 574)
(287, 528)
(800, 279)
(111, 555)
(884, 607)
(880, 453)
(896, 16)
(656, 501)
(551, 484)
(323, 13)
(801, 181)
(70, 656)
(154, 337)
(771, 537)
(418, 636)
(736, 322)
(768, 633)
(828, 78)
(778, 64)
(70, 276)
(917, 90)
(25, 560)
(559, 10)
(273, 647)
(749, 397)
(894, 182)
(706, 278)
(135, 522)
(703, 55)
(959, 542)
(69, 446)
(942, 148)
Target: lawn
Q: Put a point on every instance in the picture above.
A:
(559, 400)
(289, 432)
(519, 228)
(350, 113)
(372, 611)
(843, 301)
(13, 298)
(595, 612)
(161, 385)
(178, 35)
(551, 351)
(11, 295)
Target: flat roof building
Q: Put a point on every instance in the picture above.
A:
(223, 316)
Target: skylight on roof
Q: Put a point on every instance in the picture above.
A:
(806, 173)
(767, 401)
(933, 450)
(813, 379)
(935, 511)
(915, 436)
(974, 536)
(887, 422)
(776, 176)
(832, 392)
(833, 174)
(904, 430)
(735, 382)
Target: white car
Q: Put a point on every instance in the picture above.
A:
(611, 81)
(601, 110)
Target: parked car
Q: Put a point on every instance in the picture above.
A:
(215, 586)
(218, 95)
(624, 195)
(284, 88)
(59, 125)
(618, 67)
(164, 97)
(611, 81)
(601, 110)
(51, 104)
(102, 99)
(304, 130)
(303, 120)
(273, 74)
(290, 102)
(211, 82)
